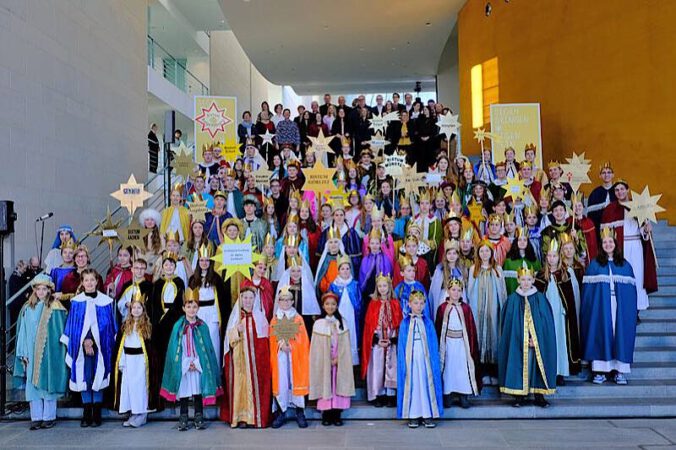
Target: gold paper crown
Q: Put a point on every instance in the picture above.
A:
(508, 217)
(230, 172)
(565, 238)
(405, 261)
(285, 291)
(510, 148)
(554, 246)
(232, 221)
(468, 165)
(377, 213)
(368, 197)
(70, 243)
(305, 204)
(485, 242)
(295, 261)
(191, 295)
(172, 235)
(530, 209)
(417, 294)
(606, 165)
(440, 195)
(269, 240)
(526, 163)
(267, 201)
(293, 218)
(383, 277)
(576, 197)
(375, 234)
(452, 215)
(455, 282)
(524, 270)
(170, 255)
(412, 225)
(387, 219)
(345, 142)
(530, 146)
(411, 238)
(296, 194)
(521, 231)
(291, 240)
(205, 251)
(404, 201)
(553, 164)
(451, 244)
(455, 198)
(333, 233)
(178, 187)
(607, 232)
(494, 218)
(468, 234)
(500, 164)
(138, 296)
(220, 193)
(343, 259)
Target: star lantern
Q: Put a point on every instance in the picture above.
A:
(448, 124)
(644, 206)
(235, 256)
(131, 195)
(411, 181)
(183, 164)
(576, 171)
(320, 144)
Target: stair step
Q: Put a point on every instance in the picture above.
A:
(659, 313)
(654, 354)
(655, 339)
(667, 289)
(662, 300)
(656, 325)
(653, 370)
(666, 279)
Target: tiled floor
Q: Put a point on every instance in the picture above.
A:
(578, 434)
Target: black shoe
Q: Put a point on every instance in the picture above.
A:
(96, 420)
(86, 415)
(392, 402)
(337, 421)
(560, 381)
(517, 402)
(464, 401)
(326, 421)
(428, 423)
(36, 425)
(279, 420)
(183, 422)
(300, 418)
(413, 423)
(379, 401)
(540, 401)
(47, 424)
(199, 422)
(448, 401)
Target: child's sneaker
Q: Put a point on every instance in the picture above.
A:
(199, 422)
(300, 418)
(413, 423)
(620, 379)
(428, 423)
(183, 422)
(599, 378)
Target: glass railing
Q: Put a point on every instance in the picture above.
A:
(174, 70)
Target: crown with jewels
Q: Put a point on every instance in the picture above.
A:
(457, 282)
(343, 259)
(70, 243)
(553, 164)
(494, 218)
(524, 270)
(451, 244)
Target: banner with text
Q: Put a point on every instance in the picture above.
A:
(516, 125)
(216, 123)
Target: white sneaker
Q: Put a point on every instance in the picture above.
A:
(126, 423)
(599, 379)
(620, 379)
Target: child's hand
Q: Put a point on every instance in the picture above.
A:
(88, 345)
(286, 347)
(530, 342)
(334, 361)
(192, 366)
(384, 343)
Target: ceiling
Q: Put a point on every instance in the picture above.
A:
(203, 15)
(344, 46)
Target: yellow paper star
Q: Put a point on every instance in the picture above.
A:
(285, 329)
(131, 195)
(133, 235)
(198, 208)
(107, 230)
(230, 151)
(320, 144)
(183, 164)
(576, 172)
(318, 178)
(263, 176)
(235, 256)
(337, 197)
(644, 206)
(515, 188)
(411, 181)
(476, 214)
(480, 135)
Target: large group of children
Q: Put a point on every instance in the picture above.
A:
(422, 300)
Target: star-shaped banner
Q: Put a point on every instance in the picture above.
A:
(235, 256)
(198, 208)
(476, 214)
(337, 197)
(319, 178)
(230, 151)
(267, 137)
(644, 206)
(576, 172)
(411, 181)
(434, 178)
(514, 188)
(131, 195)
(377, 142)
(183, 164)
(380, 123)
(133, 235)
(320, 144)
(285, 329)
(213, 120)
(480, 135)
(448, 124)
(263, 176)
(107, 230)
(394, 164)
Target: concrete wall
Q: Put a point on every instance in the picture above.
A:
(448, 83)
(602, 71)
(73, 111)
(232, 74)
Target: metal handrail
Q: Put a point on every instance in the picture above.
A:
(203, 89)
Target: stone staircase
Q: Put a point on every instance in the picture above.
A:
(651, 391)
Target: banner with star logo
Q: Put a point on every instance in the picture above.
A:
(215, 120)
(517, 124)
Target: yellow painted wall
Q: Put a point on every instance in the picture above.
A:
(604, 72)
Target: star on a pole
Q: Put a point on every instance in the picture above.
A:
(380, 122)
(267, 137)
(448, 124)
(377, 142)
(319, 178)
(263, 176)
(514, 188)
(285, 329)
(576, 171)
(107, 230)
(411, 181)
(481, 135)
(183, 164)
(133, 235)
(235, 256)
(394, 164)
(320, 144)
(476, 214)
(131, 195)
(644, 206)
(213, 120)
(198, 208)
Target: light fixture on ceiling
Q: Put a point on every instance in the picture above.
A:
(488, 9)
(428, 24)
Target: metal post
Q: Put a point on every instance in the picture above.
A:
(3, 330)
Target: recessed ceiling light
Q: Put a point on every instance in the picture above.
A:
(428, 24)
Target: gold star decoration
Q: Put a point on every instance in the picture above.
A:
(320, 144)
(576, 171)
(263, 176)
(319, 178)
(198, 208)
(337, 197)
(448, 124)
(285, 329)
(239, 255)
(107, 230)
(229, 151)
(481, 135)
(377, 142)
(476, 214)
(183, 164)
(514, 188)
(131, 195)
(411, 181)
(133, 235)
(644, 206)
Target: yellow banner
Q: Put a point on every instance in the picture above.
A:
(215, 123)
(516, 125)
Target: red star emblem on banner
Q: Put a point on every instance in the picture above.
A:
(213, 120)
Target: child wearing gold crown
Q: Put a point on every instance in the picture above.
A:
(298, 279)
(375, 261)
(176, 216)
(458, 346)
(431, 232)
(379, 344)
(327, 267)
(349, 296)
(135, 375)
(521, 251)
(183, 267)
(67, 265)
(409, 284)
(586, 225)
(527, 348)
(191, 369)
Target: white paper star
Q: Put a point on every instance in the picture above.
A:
(267, 137)
(448, 124)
